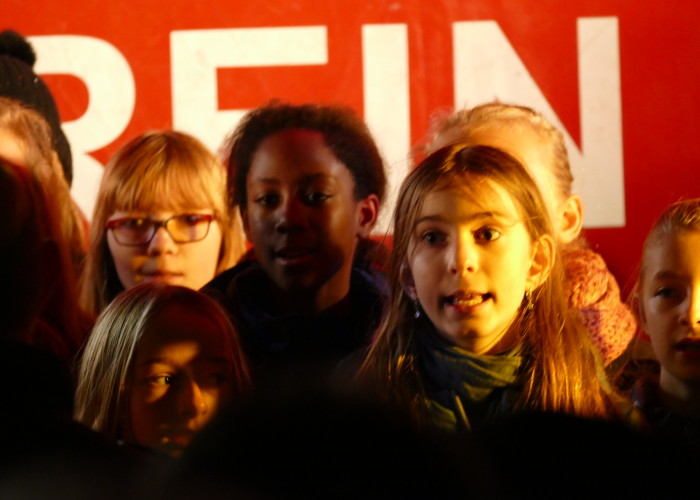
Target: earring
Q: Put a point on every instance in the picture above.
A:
(416, 304)
(529, 304)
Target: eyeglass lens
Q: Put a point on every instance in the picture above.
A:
(184, 228)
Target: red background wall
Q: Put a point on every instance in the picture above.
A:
(659, 70)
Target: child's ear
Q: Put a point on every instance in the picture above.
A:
(367, 212)
(409, 286)
(543, 254)
(571, 222)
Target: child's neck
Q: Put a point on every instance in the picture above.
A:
(679, 396)
(305, 302)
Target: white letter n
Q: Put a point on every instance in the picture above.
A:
(486, 68)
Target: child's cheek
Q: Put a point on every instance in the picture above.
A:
(145, 416)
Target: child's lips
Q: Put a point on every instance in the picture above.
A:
(688, 345)
(466, 301)
(177, 438)
(176, 441)
(292, 256)
(160, 275)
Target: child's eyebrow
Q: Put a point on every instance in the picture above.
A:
(303, 180)
(220, 360)
(169, 361)
(472, 217)
(666, 274)
(266, 180)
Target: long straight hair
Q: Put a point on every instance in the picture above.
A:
(562, 369)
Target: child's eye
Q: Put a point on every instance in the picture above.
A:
(134, 223)
(665, 292)
(162, 380)
(267, 200)
(316, 198)
(487, 234)
(193, 219)
(434, 237)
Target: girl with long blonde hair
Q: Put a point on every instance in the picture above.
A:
(477, 325)
(161, 214)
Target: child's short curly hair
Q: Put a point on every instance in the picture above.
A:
(344, 132)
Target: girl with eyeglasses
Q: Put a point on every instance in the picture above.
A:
(160, 215)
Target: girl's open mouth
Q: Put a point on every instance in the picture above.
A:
(291, 256)
(688, 346)
(467, 300)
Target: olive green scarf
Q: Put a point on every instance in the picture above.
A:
(456, 379)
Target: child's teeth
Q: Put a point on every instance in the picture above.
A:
(469, 300)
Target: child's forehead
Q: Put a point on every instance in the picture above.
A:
(177, 322)
(472, 193)
(295, 141)
(519, 140)
(678, 242)
(164, 197)
(296, 155)
(522, 141)
(12, 148)
(676, 254)
(165, 206)
(473, 186)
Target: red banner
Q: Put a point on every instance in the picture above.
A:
(618, 77)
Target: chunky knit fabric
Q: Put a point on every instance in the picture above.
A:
(592, 290)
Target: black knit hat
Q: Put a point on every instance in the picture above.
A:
(18, 81)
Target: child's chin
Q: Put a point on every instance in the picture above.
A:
(302, 282)
(174, 447)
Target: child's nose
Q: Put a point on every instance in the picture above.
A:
(191, 401)
(161, 242)
(464, 258)
(692, 315)
(290, 215)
